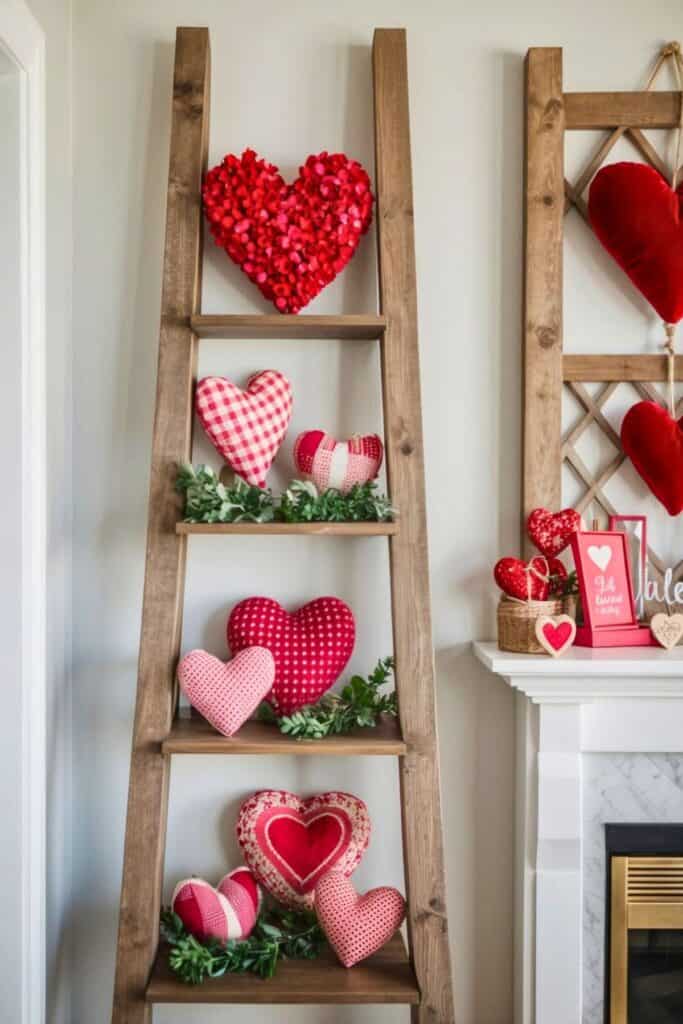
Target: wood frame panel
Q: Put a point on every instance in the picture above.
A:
(410, 597)
(165, 563)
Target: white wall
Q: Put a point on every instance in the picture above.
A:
(288, 80)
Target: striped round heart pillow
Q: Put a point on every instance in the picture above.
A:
(226, 912)
(340, 464)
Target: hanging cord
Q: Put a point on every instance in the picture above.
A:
(669, 345)
(674, 50)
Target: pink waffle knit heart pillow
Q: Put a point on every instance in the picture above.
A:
(289, 843)
(227, 694)
(246, 427)
(356, 926)
(340, 464)
(310, 646)
(227, 912)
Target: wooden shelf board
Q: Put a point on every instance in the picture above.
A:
(192, 734)
(386, 977)
(285, 326)
(295, 529)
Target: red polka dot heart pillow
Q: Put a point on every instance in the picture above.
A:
(290, 843)
(311, 646)
(357, 925)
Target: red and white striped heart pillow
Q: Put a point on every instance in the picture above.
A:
(246, 427)
(356, 925)
(341, 464)
(227, 912)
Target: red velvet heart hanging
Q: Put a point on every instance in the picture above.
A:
(290, 240)
(637, 217)
(653, 441)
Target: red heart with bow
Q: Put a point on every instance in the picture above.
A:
(528, 581)
(310, 646)
(637, 217)
(551, 532)
(653, 441)
(357, 925)
(340, 464)
(290, 240)
(290, 843)
(246, 427)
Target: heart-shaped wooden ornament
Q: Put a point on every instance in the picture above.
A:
(667, 629)
(227, 694)
(341, 464)
(653, 441)
(311, 646)
(555, 633)
(290, 843)
(226, 912)
(246, 427)
(290, 240)
(528, 581)
(357, 925)
(637, 217)
(551, 532)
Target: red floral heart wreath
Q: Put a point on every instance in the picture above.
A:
(290, 240)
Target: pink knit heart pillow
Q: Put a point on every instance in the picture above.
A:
(310, 646)
(227, 694)
(340, 464)
(246, 427)
(227, 912)
(356, 926)
(289, 843)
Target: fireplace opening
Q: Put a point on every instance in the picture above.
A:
(644, 935)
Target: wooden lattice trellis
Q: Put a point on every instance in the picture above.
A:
(548, 198)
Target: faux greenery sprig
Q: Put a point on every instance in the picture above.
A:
(564, 586)
(207, 500)
(278, 934)
(359, 704)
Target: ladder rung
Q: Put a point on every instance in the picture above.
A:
(386, 977)
(192, 734)
(282, 326)
(305, 529)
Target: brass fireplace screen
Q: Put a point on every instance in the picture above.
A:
(646, 893)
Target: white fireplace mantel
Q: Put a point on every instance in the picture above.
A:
(587, 701)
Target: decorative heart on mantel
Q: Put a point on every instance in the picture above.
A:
(528, 581)
(290, 843)
(357, 925)
(340, 464)
(555, 633)
(653, 441)
(310, 646)
(290, 240)
(637, 217)
(667, 629)
(551, 532)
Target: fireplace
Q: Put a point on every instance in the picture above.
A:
(644, 937)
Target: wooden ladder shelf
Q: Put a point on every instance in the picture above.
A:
(421, 979)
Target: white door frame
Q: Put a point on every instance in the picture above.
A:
(22, 39)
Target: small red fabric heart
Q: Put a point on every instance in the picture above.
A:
(552, 532)
(290, 240)
(357, 925)
(654, 443)
(637, 217)
(528, 580)
(557, 636)
(227, 912)
(246, 427)
(227, 694)
(340, 464)
(289, 843)
(311, 646)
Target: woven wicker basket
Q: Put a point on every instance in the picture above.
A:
(517, 624)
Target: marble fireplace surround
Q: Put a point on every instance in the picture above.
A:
(599, 739)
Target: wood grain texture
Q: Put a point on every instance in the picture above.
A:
(165, 560)
(543, 223)
(192, 734)
(412, 628)
(596, 110)
(594, 369)
(290, 529)
(386, 977)
(286, 326)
